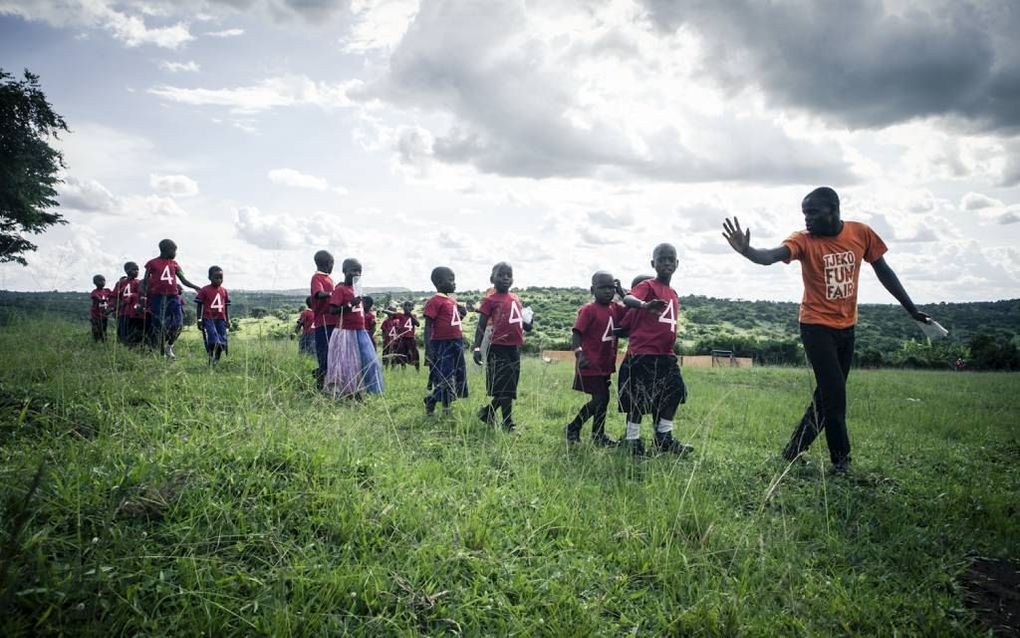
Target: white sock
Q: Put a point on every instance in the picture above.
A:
(633, 431)
(664, 426)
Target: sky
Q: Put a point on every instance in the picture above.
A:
(562, 136)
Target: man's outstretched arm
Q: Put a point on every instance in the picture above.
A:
(892, 283)
(740, 241)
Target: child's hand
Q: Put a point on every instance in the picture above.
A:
(477, 357)
(355, 302)
(655, 305)
(582, 360)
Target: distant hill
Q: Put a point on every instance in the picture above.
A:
(766, 330)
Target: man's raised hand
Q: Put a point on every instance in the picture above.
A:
(739, 240)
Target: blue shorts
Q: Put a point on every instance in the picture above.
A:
(167, 313)
(215, 333)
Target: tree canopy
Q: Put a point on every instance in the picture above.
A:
(29, 166)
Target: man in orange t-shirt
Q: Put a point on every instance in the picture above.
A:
(831, 253)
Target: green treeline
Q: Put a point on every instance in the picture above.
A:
(983, 335)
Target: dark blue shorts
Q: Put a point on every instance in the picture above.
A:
(215, 333)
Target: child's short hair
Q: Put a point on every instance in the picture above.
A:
(130, 265)
(166, 244)
(367, 302)
(96, 279)
(639, 279)
(600, 273)
(213, 269)
(661, 247)
(322, 256)
(497, 266)
(438, 272)
(308, 301)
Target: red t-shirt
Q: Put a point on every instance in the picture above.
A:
(351, 318)
(405, 325)
(100, 302)
(162, 276)
(321, 282)
(214, 300)
(831, 268)
(650, 332)
(442, 310)
(125, 297)
(504, 312)
(386, 328)
(595, 324)
(370, 323)
(307, 321)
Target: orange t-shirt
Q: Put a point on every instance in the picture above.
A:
(831, 269)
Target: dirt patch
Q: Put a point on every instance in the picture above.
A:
(152, 503)
(992, 590)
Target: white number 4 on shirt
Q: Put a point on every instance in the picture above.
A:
(608, 334)
(167, 275)
(455, 319)
(217, 303)
(669, 316)
(515, 314)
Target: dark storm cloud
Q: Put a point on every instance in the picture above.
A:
(858, 63)
(479, 65)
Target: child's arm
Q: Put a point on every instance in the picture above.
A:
(198, 311)
(414, 320)
(476, 356)
(144, 286)
(575, 345)
(655, 305)
(740, 241)
(428, 341)
(184, 280)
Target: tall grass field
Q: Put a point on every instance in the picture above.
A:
(146, 497)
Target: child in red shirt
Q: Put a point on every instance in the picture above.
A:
(159, 292)
(353, 367)
(325, 321)
(405, 346)
(213, 320)
(130, 318)
(503, 311)
(367, 303)
(650, 379)
(306, 325)
(594, 341)
(389, 333)
(100, 298)
(444, 343)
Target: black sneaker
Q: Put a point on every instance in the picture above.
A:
(664, 442)
(841, 468)
(487, 415)
(430, 407)
(573, 433)
(636, 447)
(509, 427)
(602, 440)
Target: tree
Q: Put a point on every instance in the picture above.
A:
(28, 164)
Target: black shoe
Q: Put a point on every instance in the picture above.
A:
(430, 407)
(636, 447)
(487, 415)
(664, 442)
(573, 431)
(841, 468)
(509, 426)
(602, 440)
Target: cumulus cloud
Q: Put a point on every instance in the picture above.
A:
(225, 33)
(519, 104)
(178, 67)
(86, 195)
(271, 93)
(128, 28)
(864, 63)
(611, 220)
(378, 24)
(297, 179)
(977, 201)
(272, 232)
(174, 185)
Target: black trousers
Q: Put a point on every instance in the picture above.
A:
(830, 352)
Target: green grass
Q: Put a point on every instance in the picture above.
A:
(178, 499)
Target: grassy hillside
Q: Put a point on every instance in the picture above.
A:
(767, 331)
(177, 499)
